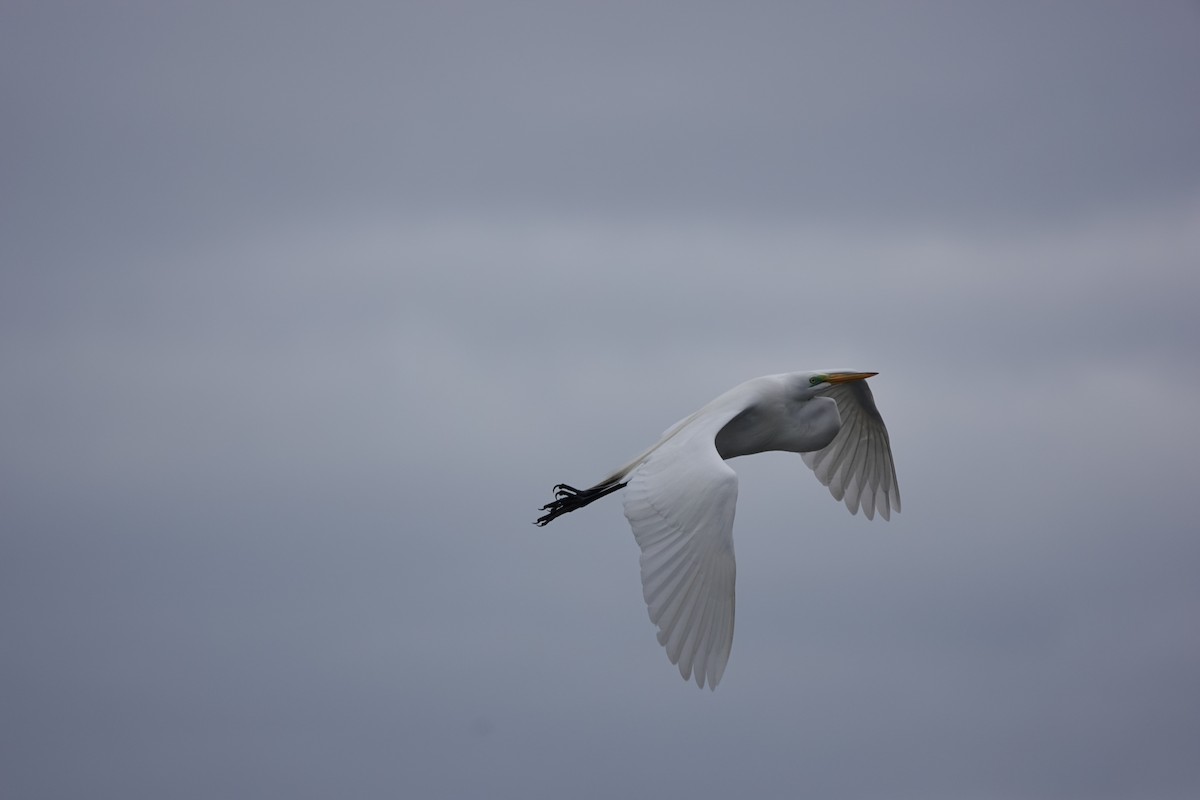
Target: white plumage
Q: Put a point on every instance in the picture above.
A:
(681, 495)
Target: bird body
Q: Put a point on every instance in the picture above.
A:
(682, 495)
(776, 414)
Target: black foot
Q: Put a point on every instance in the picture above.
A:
(568, 498)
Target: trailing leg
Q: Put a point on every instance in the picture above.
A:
(568, 498)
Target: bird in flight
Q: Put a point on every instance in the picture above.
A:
(681, 495)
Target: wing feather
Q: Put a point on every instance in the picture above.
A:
(857, 465)
(680, 503)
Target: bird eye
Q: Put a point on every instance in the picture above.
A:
(814, 380)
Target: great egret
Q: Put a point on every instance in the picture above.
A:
(682, 495)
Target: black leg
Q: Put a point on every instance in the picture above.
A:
(568, 498)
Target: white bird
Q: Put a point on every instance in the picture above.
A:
(682, 495)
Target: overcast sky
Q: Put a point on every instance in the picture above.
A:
(305, 307)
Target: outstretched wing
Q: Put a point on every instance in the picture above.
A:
(857, 465)
(680, 503)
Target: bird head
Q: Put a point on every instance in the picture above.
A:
(824, 379)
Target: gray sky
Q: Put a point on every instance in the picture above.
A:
(305, 307)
